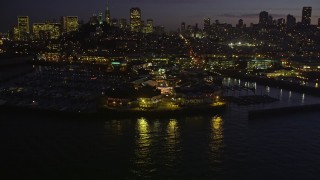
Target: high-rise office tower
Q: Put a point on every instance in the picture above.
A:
(24, 28)
(53, 30)
(94, 20)
(206, 24)
(306, 16)
(189, 28)
(114, 22)
(271, 21)
(159, 29)
(281, 22)
(72, 23)
(135, 19)
(263, 18)
(100, 18)
(183, 27)
(240, 24)
(123, 23)
(291, 21)
(15, 34)
(42, 31)
(107, 14)
(63, 22)
(149, 28)
(37, 29)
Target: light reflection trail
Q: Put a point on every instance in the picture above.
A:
(217, 139)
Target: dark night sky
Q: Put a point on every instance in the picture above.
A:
(164, 12)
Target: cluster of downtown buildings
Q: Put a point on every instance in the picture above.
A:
(266, 21)
(103, 39)
(54, 30)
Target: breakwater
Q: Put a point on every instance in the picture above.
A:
(277, 83)
(283, 111)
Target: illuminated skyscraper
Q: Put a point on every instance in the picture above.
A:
(123, 24)
(100, 18)
(306, 16)
(281, 22)
(72, 23)
(63, 21)
(135, 19)
(94, 20)
(240, 24)
(54, 30)
(107, 14)
(42, 31)
(114, 22)
(24, 28)
(37, 29)
(149, 28)
(15, 34)
(206, 24)
(263, 18)
(183, 27)
(291, 21)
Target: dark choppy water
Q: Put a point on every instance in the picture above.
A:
(225, 146)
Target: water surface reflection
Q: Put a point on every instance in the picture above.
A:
(142, 153)
(217, 139)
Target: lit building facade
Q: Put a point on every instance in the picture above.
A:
(306, 15)
(183, 27)
(94, 20)
(291, 21)
(37, 29)
(114, 23)
(72, 23)
(206, 24)
(263, 18)
(149, 28)
(240, 24)
(100, 18)
(135, 19)
(123, 23)
(63, 21)
(42, 31)
(15, 34)
(24, 27)
(281, 22)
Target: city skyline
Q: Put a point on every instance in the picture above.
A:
(183, 11)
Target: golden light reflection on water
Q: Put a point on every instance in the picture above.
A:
(172, 131)
(143, 133)
(172, 126)
(172, 145)
(142, 126)
(217, 123)
(143, 142)
(216, 144)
